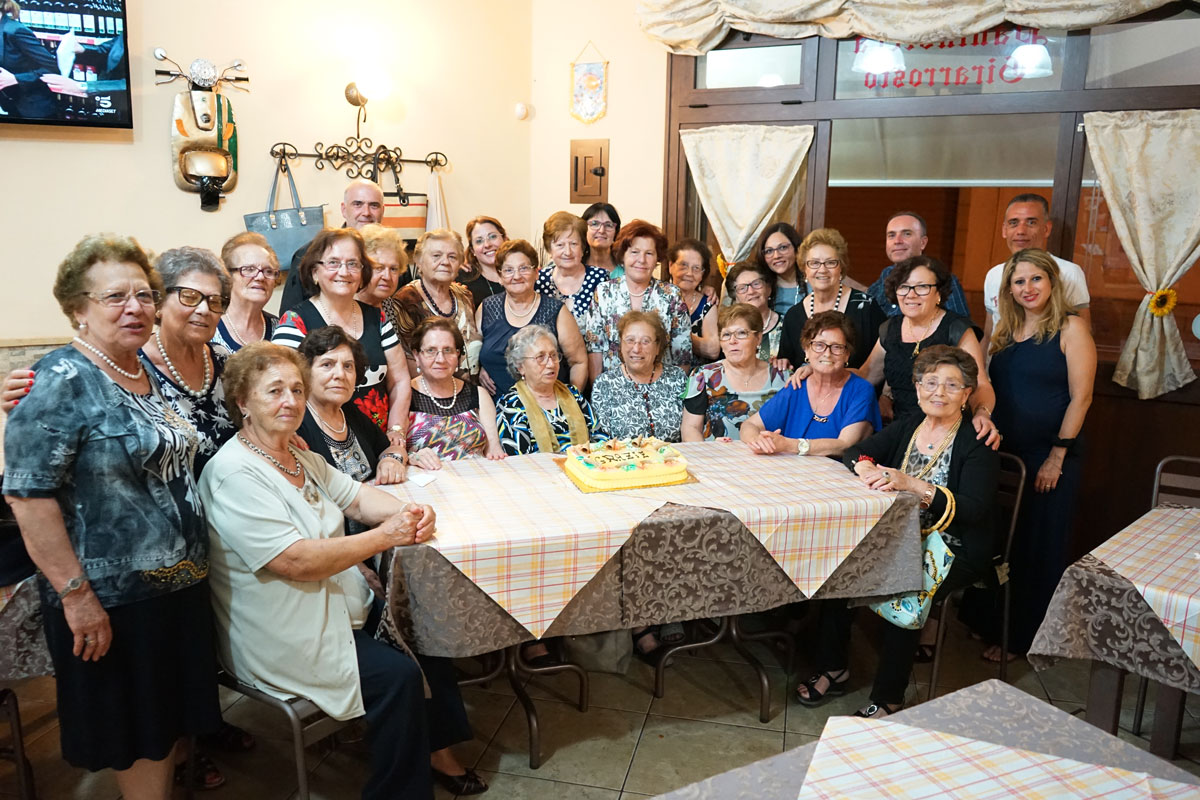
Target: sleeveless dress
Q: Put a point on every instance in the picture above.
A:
(1032, 395)
(452, 433)
(898, 361)
(497, 330)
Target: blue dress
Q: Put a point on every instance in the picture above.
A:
(790, 413)
(497, 330)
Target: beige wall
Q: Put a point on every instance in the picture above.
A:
(456, 70)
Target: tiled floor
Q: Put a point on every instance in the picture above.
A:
(629, 744)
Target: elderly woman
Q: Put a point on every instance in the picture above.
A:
(438, 254)
(824, 255)
(639, 246)
(689, 262)
(643, 396)
(484, 237)
(295, 615)
(501, 316)
(562, 417)
(936, 456)
(450, 418)
(335, 268)
(252, 265)
(568, 280)
(1043, 364)
(721, 396)
(123, 558)
(832, 409)
(389, 269)
(778, 250)
(333, 427)
(603, 222)
(750, 284)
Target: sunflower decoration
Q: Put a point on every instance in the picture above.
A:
(722, 265)
(1163, 302)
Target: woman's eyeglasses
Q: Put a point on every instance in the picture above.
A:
(922, 289)
(510, 272)
(146, 297)
(333, 265)
(542, 359)
(742, 288)
(741, 335)
(252, 271)
(816, 265)
(780, 250)
(820, 347)
(192, 297)
(931, 385)
(432, 353)
(596, 225)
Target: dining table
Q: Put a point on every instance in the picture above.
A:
(1132, 606)
(521, 554)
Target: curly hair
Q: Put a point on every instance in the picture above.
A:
(71, 282)
(743, 311)
(696, 246)
(177, 262)
(828, 321)
(380, 237)
(646, 318)
(321, 340)
(901, 271)
(244, 368)
(316, 253)
(561, 222)
(520, 344)
(633, 230)
(932, 358)
(516, 246)
(831, 238)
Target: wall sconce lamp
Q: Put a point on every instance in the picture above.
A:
(356, 98)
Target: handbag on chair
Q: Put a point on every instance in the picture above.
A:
(911, 609)
(286, 229)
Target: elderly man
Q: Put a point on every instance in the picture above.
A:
(362, 204)
(1027, 224)
(907, 237)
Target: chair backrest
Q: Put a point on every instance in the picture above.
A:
(1009, 491)
(1177, 481)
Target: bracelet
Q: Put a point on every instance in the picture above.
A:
(398, 456)
(927, 496)
(78, 582)
(864, 457)
(985, 410)
(1065, 443)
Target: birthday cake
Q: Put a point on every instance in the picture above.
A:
(625, 464)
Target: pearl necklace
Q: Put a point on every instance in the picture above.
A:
(133, 376)
(237, 334)
(812, 301)
(256, 449)
(513, 306)
(335, 431)
(429, 393)
(179, 381)
(328, 315)
(435, 307)
(642, 293)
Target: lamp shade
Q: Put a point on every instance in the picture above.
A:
(876, 58)
(1032, 61)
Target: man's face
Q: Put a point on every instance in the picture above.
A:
(905, 238)
(362, 205)
(1025, 225)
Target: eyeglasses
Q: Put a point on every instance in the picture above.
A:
(741, 334)
(780, 250)
(333, 265)
(596, 225)
(931, 385)
(630, 341)
(146, 297)
(922, 289)
(509, 272)
(252, 271)
(820, 347)
(192, 297)
(432, 353)
(542, 359)
(742, 288)
(815, 265)
(482, 240)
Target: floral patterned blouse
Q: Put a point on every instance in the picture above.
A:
(207, 413)
(453, 433)
(725, 409)
(625, 409)
(613, 300)
(515, 435)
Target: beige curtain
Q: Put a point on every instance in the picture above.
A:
(693, 27)
(1147, 163)
(742, 173)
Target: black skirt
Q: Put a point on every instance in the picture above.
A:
(157, 682)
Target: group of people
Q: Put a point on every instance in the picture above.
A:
(241, 451)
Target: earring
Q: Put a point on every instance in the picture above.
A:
(83, 326)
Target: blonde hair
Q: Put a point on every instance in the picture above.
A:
(10, 7)
(380, 237)
(830, 237)
(1012, 314)
(438, 235)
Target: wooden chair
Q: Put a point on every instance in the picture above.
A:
(309, 723)
(1176, 482)
(16, 753)
(1009, 491)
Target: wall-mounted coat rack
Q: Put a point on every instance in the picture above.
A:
(358, 157)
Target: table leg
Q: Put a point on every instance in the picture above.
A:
(1104, 696)
(1168, 721)
(511, 655)
(670, 650)
(739, 638)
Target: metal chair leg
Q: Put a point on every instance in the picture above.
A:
(580, 673)
(298, 751)
(937, 652)
(25, 787)
(1005, 621)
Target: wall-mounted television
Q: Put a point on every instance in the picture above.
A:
(64, 62)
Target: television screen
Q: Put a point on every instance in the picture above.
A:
(64, 62)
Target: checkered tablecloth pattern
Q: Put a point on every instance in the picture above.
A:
(865, 759)
(808, 512)
(522, 532)
(1160, 555)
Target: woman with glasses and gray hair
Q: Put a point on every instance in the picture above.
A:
(255, 272)
(540, 414)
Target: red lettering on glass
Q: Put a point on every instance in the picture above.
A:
(914, 77)
(961, 77)
(898, 79)
(945, 75)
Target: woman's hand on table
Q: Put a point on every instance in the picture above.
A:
(390, 470)
(16, 386)
(769, 443)
(425, 458)
(495, 453)
(1048, 475)
(89, 623)
(426, 520)
(799, 376)
(986, 429)
(413, 524)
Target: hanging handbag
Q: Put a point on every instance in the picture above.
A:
(287, 229)
(410, 211)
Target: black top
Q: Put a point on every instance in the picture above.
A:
(497, 331)
(481, 288)
(864, 314)
(898, 361)
(974, 472)
(372, 440)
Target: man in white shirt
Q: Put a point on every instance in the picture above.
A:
(1027, 224)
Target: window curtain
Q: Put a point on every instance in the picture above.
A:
(693, 27)
(1147, 163)
(742, 173)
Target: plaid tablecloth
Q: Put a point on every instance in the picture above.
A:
(863, 759)
(1160, 555)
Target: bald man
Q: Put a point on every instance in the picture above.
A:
(362, 204)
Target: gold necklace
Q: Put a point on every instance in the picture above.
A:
(933, 458)
(924, 335)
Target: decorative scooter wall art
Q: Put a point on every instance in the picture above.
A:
(204, 151)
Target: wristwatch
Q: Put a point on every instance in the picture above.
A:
(78, 582)
(802, 447)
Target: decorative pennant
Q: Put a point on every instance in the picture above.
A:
(589, 87)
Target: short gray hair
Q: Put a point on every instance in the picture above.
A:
(522, 342)
(174, 264)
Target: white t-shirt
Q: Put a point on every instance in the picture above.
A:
(285, 637)
(1074, 283)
